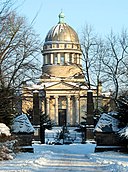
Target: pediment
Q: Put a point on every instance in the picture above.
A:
(61, 86)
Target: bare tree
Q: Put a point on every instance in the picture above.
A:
(87, 42)
(124, 44)
(93, 52)
(105, 60)
(19, 50)
(113, 62)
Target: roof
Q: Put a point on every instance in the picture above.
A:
(62, 32)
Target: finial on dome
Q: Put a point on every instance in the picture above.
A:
(61, 17)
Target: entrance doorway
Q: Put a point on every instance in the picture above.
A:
(62, 117)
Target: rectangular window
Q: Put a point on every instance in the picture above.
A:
(48, 59)
(62, 60)
(55, 60)
(75, 59)
(70, 58)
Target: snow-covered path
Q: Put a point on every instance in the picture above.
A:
(59, 158)
(54, 158)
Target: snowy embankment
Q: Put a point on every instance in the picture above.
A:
(74, 157)
(116, 161)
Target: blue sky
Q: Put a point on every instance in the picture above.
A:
(103, 15)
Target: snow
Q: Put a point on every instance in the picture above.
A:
(57, 29)
(58, 158)
(22, 124)
(6, 146)
(6, 152)
(124, 132)
(107, 123)
(106, 94)
(117, 162)
(4, 130)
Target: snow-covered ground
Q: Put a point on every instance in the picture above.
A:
(58, 158)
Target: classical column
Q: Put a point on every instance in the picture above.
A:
(68, 110)
(46, 59)
(52, 59)
(47, 106)
(78, 59)
(56, 109)
(66, 58)
(58, 55)
(43, 59)
(77, 110)
(72, 58)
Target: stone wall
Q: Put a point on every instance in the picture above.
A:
(107, 139)
(24, 139)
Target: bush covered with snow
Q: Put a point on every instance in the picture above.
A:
(4, 130)
(6, 143)
(114, 123)
(6, 150)
(122, 103)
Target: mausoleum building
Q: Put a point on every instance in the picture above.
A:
(62, 77)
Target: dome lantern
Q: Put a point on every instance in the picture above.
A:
(61, 17)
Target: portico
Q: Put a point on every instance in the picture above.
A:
(65, 107)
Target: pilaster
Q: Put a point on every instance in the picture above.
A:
(56, 109)
(68, 110)
(77, 109)
(47, 106)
